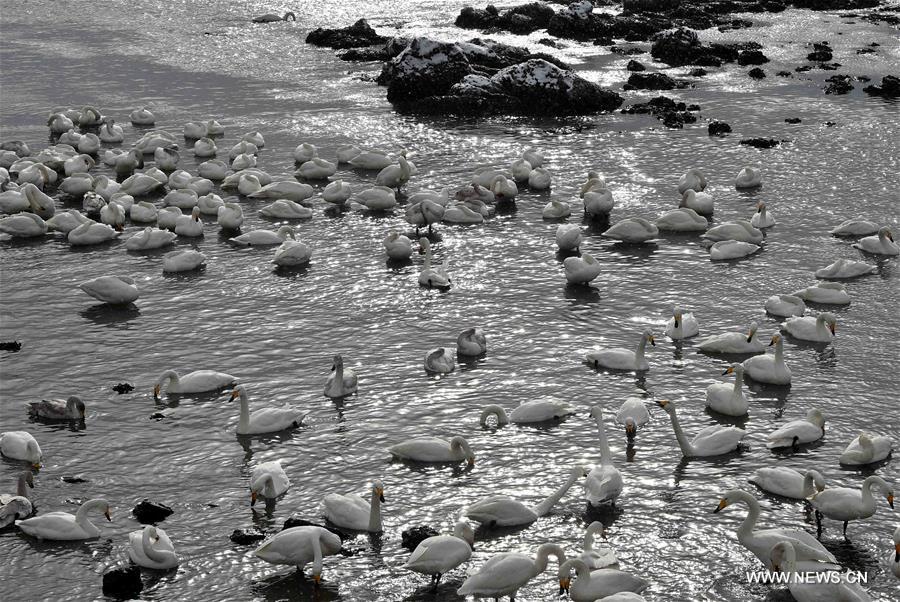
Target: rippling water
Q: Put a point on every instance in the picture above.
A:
(277, 330)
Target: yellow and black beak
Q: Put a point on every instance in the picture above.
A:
(36, 466)
(380, 493)
(564, 586)
(662, 402)
(234, 395)
(630, 430)
(832, 327)
(890, 499)
(253, 497)
(652, 342)
(774, 340)
(897, 552)
(749, 336)
(728, 370)
(156, 391)
(107, 515)
(676, 321)
(722, 504)
(316, 580)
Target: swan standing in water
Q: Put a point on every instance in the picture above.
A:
(430, 276)
(62, 526)
(622, 359)
(199, 381)
(714, 440)
(504, 511)
(882, 244)
(568, 237)
(846, 504)
(825, 293)
(603, 484)
(845, 268)
(581, 270)
(266, 420)
(21, 445)
(340, 382)
(748, 177)
(762, 219)
(298, 546)
(819, 329)
(505, 573)
(785, 306)
(527, 412)
(115, 290)
(632, 414)
(769, 368)
(471, 342)
(594, 585)
(866, 449)
(268, 480)
(798, 432)
(434, 449)
(599, 557)
(682, 325)
(439, 361)
(734, 342)
(441, 554)
(788, 482)
(784, 559)
(353, 512)
(57, 409)
(727, 399)
(273, 18)
(151, 548)
(182, 261)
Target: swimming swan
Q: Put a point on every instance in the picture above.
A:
(784, 559)
(57, 409)
(819, 329)
(597, 557)
(598, 584)
(581, 270)
(882, 244)
(866, 448)
(682, 325)
(769, 369)
(632, 414)
(434, 449)
(762, 218)
(727, 399)
(432, 277)
(788, 482)
(62, 526)
(353, 512)
(537, 410)
(265, 420)
(505, 573)
(340, 382)
(603, 484)
(115, 290)
(734, 342)
(504, 511)
(714, 440)
(199, 381)
(151, 548)
(268, 480)
(622, 359)
(798, 432)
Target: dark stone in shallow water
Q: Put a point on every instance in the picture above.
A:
(10, 346)
(672, 114)
(523, 19)
(792, 120)
(650, 81)
(718, 128)
(627, 51)
(123, 388)
(835, 4)
(697, 72)
(821, 52)
(358, 34)
(761, 142)
(248, 536)
(890, 87)
(123, 582)
(677, 119)
(757, 73)
(633, 65)
(838, 84)
(412, 537)
(784, 74)
(151, 512)
(751, 57)
(73, 480)
(296, 521)
(682, 47)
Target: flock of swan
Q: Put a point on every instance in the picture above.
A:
(86, 138)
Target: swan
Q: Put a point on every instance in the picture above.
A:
(247, 184)
(397, 246)
(894, 557)
(520, 170)
(24, 482)
(57, 409)
(430, 276)
(243, 148)
(484, 177)
(189, 225)
(316, 169)
(539, 179)
(115, 290)
(441, 554)
(21, 445)
(788, 482)
(760, 542)
(394, 175)
(846, 504)
(142, 116)
(534, 157)
(441, 198)
(682, 219)
(701, 202)
(79, 164)
(167, 217)
(352, 512)
(194, 130)
(23, 225)
(151, 548)
(769, 369)
(568, 237)
(504, 573)
(307, 152)
(112, 214)
(739, 230)
(632, 414)
(258, 238)
(18, 147)
(292, 253)
(89, 116)
(199, 381)
(785, 306)
(474, 192)
(805, 589)
(92, 204)
(600, 557)
(593, 585)
(14, 508)
(214, 169)
(819, 329)
(882, 244)
(471, 342)
(762, 219)
(798, 432)
(124, 162)
(748, 177)
(505, 190)
(714, 440)
(273, 18)
(76, 185)
(439, 361)
(166, 158)
(340, 382)
(825, 293)
(59, 123)
(209, 204)
(503, 511)
(299, 546)
(845, 268)
(255, 138)
(866, 448)
(527, 412)
(215, 128)
(555, 210)
(230, 216)
(152, 140)
(243, 161)
(268, 480)
(731, 249)
(337, 192)
(140, 184)
(855, 227)
(150, 238)
(38, 174)
(581, 270)
(13, 201)
(623, 359)
(377, 198)
(734, 342)
(371, 159)
(182, 260)
(458, 213)
(682, 325)
(39, 203)
(70, 138)
(60, 526)
(693, 179)
(598, 202)
(205, 147)
(434, 449)
(632, 230)
(603, 484)
(727, 399)
(110, 132)
(266, 420)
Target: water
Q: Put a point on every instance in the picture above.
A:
(277, 330)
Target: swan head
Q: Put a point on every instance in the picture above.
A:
(829, 319)
(424, 245)
(596, 413)
(775, 339)
(464, 531)
(630, 427)
(461, 443)
(752, 332)
(666, 405)
(677, 313)
(378, 489)
(337, 362)
(74, 403)
(578, 471)
(761, 207)
(816, 416)
(737, 369)
(885, 232)
(782, 553)
(236, 392)
(649, 336)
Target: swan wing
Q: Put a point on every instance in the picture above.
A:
(718, 439)
(500, 510)
(603, 484)
(502, 573)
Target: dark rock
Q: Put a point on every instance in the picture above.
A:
(761, 142)
(412, 537)
(651, 81)
(829, 66)
(656, 6)
(863, 78)
(866, 51)
(751, 57)
(672, 114)
(73, 480)
(802, 68)
(821, 52)
(123, 388)
(248, 536)
(830, 124)
(838, 84)
(296, 521)
(757, 73)
(604, 41)
(835, 4)
(736, 24)
(424, 68)
(10, 346)
(890, 87)
(784, 74)
(151, 512)
(792, 120)
(548, 42)
(693, 107)
(123, 582)
(718, 128)
(523, 19)
(557, 91)
(358, 34)
(477, 18)
(682, 47)
(677, 119)
(697, 72)
(633, 65)
(627, 51)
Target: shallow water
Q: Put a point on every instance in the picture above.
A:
(277, 330)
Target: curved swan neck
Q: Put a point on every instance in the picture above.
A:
(494, 410)
(21, 485)
(867, 485)
(545, 506)
(595, 527)
(375, 512)
(686, 448)
(779, 351)
(149, 551)
(812, 481)
(738, 382)
(639, 353)
(605, 455)
(749, 523)
(81, 515)
(262, 483)
(543, 555)
(244, 420)
(316, 545)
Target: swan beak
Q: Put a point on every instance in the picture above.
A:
(630, 430)
(156, 391)
(652, 342)
(890, 499)
(676, 321)
(316, 580)
(722, 503)
(774, 340)
(897, 553)
(234, 395)
(107, 515)
(252, 498)
(832, 328)
(730, 369)
(380, 493)
(471, 461)
(750, 336)
(36, 466)
(563, 586)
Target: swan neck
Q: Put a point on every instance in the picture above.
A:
(20, 486)
(81, 515)
(149, 551)
(738, 383)
(375, 513)
(686, 448)
(244, 420)
(317, 554)
(779, 352)
(639, 353)
(543, 555)
(605, 455)
(545, 506)
(494, 410)
(749, 523)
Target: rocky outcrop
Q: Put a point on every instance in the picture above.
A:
(356, 35)
(650, 81)
(838, 84)
(151, 512)
(834, 4)
(821, 53)
(756, 73)
(761, 142)
(520, 19)
(751, 57)
(633, 65)
(889, 88)
(682, 47)
(672, 114)
(718, 128)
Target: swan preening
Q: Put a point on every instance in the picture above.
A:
(881, 244)
(471, 342)
(798, 432)
(151, 548)
(432, 277)
(65, 526)
(298, 546)
(268, 480)
(198, 381)
(505, 573)
(866, 448)
(115, 290)
(21, 445)
(440, 554)
(597, 557)
(439, 361)
(819, 329)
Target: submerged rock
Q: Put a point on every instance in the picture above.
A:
(123, 388)
(650, 81)
(633, 65)
(761, 142)
(10, 346)
(757, 73)
(412, 537)
(697, 72)
(792, 120)
(890, 87)
(821, 53)
(358, 34)
(838, 84)
(672, 114)
(248, 536)
(718, 128)
(151, 512)
(123, 582)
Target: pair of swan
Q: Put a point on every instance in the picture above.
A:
(471, 342)
(528, 412)
(57, 409)
(785, 306)
(825, 293)
(623, 359)
(784, 559)
(199, 381)
(298, 546)
(798, 432)
(62, 526)
(151, 548)
(769, 368)
(441, 554)
(788, 482)
(734, 342)
(866, 448)
(882, 244)
(21, 445)
(352, 512)
(340, 382)
(846, 504)
(505, 573)
(632, 230)
(819, 329)
(268, 480)
(682, 325)
(762, 218)
(601, 584)
(434, 449)
(439, 361)
(727, 399)
(632, 414)
(115, 290)
(845, 268)
(603, 484)
(714, 440)
(182, 261)
(432, 277)
(265, 420)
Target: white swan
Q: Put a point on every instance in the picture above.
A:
(13, 201)
(151, 548)
(682, 325)
(603, 484)
(819, 329)
(298, 546)
(397, 246)
(62, 526)
(537, 410)
(166, 158)
(632, 414)
(292, 253)
(198, 381)
(504, 511)
(247, 183)
(594, 585)
(505, 573)
(762, 218)
(740, 230)
(727, 399)
(894, 557)
(788, 482)
(798, 432)
(748, 177)
(825, 293)
(115, 290)
(520, 169)
(140, 184)
(189, 225)
(285, 209)
(734, 342)
(846, 504)
(845, 268)
(682, 219)
(337, 192)
(731, 249)
(24, 482)
(371, 159)
(866, 448)
(89, 144)
(700, 202)
(785, 306)
(204, 148)
(265, 420)
(539, 179)
(394, 175)
(259, 238)
(234, 180)
(292, 191)
(113, 214)
(581, 270)
(471, 342)
(556, 210)
(714, 440)
(597, 557)
(485, 176)
(439, 361)
(432, 277)
(307, 152)
(505, 190)
(340, 382)
(316, 169)
(377, 198)
(434, 449)
(142, 116)
(21, 445)
(57, 409)
(353, 512)
(230, 216)
(632, 230)
(769, 369)
(805, 589)
(14, 508)
(195, 130)
(268, 480)
(458, 213)
(59, 123)
(441, 554)
(209, 204)
(882, 244)
(23, 225)
(76, 185)
(622, 359)
(693, 179)
(534, 157)
(568, 237)
(854, 227)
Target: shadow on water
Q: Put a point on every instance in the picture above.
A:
(104, 314)
(582, 293)
(293, 272)
(296, 586)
